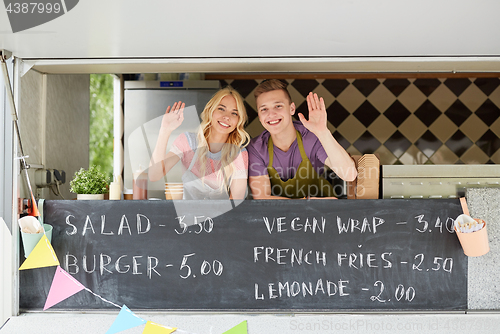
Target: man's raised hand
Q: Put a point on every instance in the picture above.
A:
(317, 114)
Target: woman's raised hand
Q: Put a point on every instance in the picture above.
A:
(160, 162)
(173, 117)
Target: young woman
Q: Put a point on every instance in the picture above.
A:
(215, 159)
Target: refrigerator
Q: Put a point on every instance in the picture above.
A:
(145, 103)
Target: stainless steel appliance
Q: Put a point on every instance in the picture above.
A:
(145, 103)
(436, 181)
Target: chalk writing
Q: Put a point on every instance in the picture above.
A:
(288, 256)
(363, 226)
(133, 265)
(263, 255)
(143, 225)
(292, 289)
(295, 224)
(205, 224)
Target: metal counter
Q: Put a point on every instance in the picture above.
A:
(436, 181)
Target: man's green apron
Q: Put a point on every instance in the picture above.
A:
(305, 183)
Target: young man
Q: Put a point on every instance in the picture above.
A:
(287, 159)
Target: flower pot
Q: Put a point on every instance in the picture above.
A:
(90, 197)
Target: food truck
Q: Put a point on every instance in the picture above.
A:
(416, 85)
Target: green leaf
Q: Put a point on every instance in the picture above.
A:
(90, 181)
(101, 122)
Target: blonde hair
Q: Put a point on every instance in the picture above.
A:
(236, 140)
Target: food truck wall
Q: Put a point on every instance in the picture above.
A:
(103, 37)
(54, 121)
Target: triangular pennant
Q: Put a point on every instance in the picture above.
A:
(126, 319)
(238, 329)
(34, 209)
(42, 255)
(152, 328)
(63, 286)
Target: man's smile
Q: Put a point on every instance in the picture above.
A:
(274, 122)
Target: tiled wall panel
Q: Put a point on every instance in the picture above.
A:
(405, 121)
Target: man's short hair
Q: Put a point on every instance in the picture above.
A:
(270, 85)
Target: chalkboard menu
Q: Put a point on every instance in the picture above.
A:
(299, 255)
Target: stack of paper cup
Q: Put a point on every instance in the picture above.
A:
(368, 177)
(173, 190)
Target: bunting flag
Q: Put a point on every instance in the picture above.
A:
(42, 255)
(238, 329)
(63, 286)
(126, 319)
(34, 209)
(152, 328)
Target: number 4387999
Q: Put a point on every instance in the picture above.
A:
(33, 7)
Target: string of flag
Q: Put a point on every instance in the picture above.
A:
(64, 286)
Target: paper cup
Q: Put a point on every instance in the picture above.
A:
(174, 190)
(30, 240)
(171, 195)
(474, 243)
(174, 186)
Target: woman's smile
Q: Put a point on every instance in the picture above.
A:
(224, 124)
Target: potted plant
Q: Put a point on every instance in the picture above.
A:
(89, 184)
